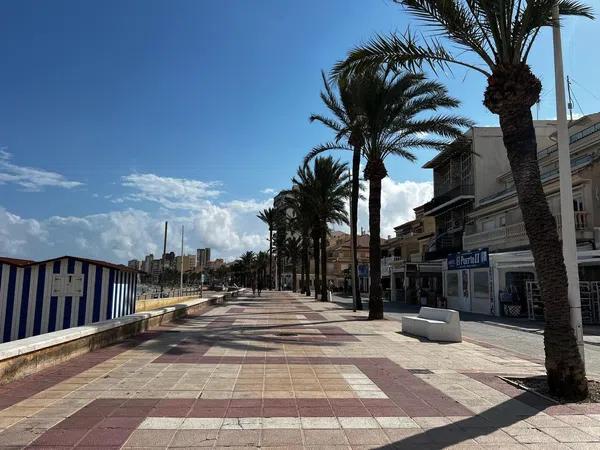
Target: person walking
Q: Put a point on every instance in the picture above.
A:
(253, 286)
(260, 286)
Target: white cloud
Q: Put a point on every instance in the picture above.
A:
(248, 206)
(268, 191)
(229, 228)
(171, 193)
(30, 178)
(398, 199)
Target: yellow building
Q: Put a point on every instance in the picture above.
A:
(405, 275)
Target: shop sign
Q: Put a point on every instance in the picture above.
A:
(468, 260)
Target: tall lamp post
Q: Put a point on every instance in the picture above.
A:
(567, 215)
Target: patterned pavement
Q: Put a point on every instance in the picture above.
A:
(284, 371)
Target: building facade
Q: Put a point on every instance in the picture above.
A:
(202, 257)
(65, 292)
(405, 272)
(480, 237)
(189, 263)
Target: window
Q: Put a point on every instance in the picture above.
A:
(67, 285)
(452, 284)
(488, 224)
(480, 284)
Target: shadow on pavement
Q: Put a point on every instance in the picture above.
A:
(490, 421)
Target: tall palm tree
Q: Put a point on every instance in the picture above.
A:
(327, 186)
(269, 216)
(347, 124)
(301, 205)
(501, 34)
(395, 124)
(292, 251)
(248, 262)
(262, 262)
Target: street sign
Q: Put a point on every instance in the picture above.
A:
(469, 260)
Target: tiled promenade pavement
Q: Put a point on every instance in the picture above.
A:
(284, 371)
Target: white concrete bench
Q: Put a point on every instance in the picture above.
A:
(435, 324)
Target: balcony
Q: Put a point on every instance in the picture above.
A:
(514, 235)
(388, 263)
(448, 197)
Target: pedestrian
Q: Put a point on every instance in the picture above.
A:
(253, 286)
(260, 286)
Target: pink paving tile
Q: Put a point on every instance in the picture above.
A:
(244, 412)
(62, 437)
(169, 412)
(120, 422)
(105, 437)
(279, 412)
(315, 411)
(141, 411)
(207, 412)
(79, 422)
(312, 402)
(349, 411)
(246, 403)
(280, 402)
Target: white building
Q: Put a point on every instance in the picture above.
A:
(480, 237)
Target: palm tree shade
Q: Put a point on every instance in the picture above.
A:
(495, 38)
(397, 116)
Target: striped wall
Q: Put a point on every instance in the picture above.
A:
(27, 307)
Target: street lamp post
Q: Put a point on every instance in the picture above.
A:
(567, 215)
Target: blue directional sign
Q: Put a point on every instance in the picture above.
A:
(469, 260)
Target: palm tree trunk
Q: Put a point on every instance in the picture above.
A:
(564, 365)
(294, 273)
(270, 258)
(302, 284)
(324, 262)
(306, 266)
(354, 226)
(316, 259)
(375, 300)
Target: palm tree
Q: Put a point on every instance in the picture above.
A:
(262, 262)
(248, 261)
(269, 216)
(292, 251)
(301, 205)
(327, 187)
(394, 124)
(347, 124)
(501, 34)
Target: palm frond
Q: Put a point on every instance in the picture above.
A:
(401, 50)
(321, 148)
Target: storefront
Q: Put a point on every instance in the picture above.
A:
(481, 282)
(415, 282)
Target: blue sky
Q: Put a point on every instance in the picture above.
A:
(116, 115)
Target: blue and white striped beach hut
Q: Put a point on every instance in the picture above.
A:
(41, 297)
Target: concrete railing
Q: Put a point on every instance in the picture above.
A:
(26, 356)
(153, 303)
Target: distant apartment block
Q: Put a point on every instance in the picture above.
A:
(202, 257)
(189, 263)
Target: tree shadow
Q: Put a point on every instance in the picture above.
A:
(490, 421)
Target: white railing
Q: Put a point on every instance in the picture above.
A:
(387, 262)
(514, 232)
